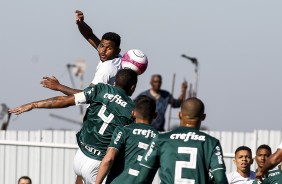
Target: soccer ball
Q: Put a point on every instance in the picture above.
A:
(136, 60)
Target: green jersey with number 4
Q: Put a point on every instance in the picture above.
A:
(184, 155)
(109, 108)
(132, 141)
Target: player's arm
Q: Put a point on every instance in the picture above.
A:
(55, 102)
(85, 30)
(54, 84)
(217, 165)
(220, 177)
(106, 164)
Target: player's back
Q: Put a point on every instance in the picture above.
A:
(185, 155)
(132, 141)
(109, 108)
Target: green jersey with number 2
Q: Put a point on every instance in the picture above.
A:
(184, 155)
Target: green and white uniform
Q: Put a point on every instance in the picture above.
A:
(131, 141)
(109, 108)
(184, 155)
(274, 176)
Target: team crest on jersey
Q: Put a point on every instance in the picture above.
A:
(187, 136)
(115, 98)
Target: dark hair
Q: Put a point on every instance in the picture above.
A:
(126, 78)
(113, 37)
(145, 107)
(156, 75)
(240, 148)
(264, 146)
(193, 107)
(25, 178)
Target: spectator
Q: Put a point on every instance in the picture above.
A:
(243, 161)
(24, 180)
(163, 98)
(185, 155)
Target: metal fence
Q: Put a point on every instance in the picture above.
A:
(47, 156)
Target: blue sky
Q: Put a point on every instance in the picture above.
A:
(238, 45)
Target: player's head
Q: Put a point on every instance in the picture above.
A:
(192, 112)
(145, 109)
(156, 82)
(109, 46)
(243, 159)
(24, 180)
(262, 154)
(127, 80)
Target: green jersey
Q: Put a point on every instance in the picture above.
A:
(109, 108)
(132, 141)
(184, 155)
(274, 176)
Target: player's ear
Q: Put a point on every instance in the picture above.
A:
(180, 115)
(251, 162)
(155, 115)
(203, 117)
(234, 161)
(133, 114)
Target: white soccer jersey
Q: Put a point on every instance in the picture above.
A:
(106, 71)
(280, 146)
(235, 178)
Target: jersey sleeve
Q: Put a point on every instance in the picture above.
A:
(280, 146)
(118, 138)
(217, 162)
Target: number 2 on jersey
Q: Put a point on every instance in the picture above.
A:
(106, 119)
(185, 164)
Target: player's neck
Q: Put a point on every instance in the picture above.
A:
(244, 174)
(142, 121)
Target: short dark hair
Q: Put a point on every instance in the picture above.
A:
(145, 107)
(264, 146)
(126, 78)
(25, 178)
(113, 37)
(240, 148)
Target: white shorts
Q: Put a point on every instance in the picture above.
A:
(86, 167)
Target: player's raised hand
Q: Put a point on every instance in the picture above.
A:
(51, 83)
(21, 109)
(79, 17)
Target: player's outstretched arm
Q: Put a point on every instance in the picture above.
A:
(86, 30)
(54, 84)
(55, 102)
(106, 165)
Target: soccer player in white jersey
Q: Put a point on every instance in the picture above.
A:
(243, 161)
(110, 59)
